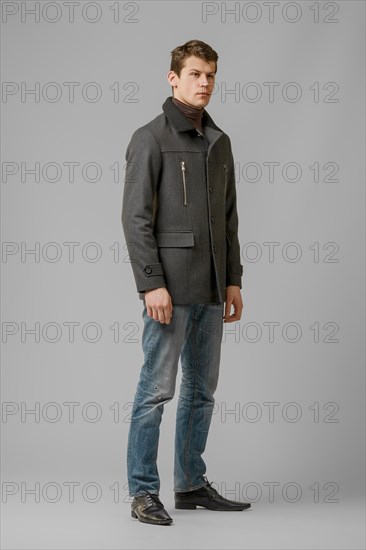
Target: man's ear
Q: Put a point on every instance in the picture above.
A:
(172, 78)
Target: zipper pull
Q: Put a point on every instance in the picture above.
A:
(182, 163)
(225, 168)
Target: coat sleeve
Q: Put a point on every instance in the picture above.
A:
(234, 269)
(143, 164)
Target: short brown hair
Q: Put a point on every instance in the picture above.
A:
(192, 47)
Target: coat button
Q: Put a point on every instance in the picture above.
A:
(212, 219)
(148, 269)
(214, 249)
(210, 189)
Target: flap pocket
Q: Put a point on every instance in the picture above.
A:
(174, 238)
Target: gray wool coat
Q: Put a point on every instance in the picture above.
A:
(179, 212)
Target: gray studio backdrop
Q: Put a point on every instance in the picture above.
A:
(289, 417)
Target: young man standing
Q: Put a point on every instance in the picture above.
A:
(180, 221)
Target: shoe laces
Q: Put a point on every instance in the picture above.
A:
(155, 498)
(212, 490)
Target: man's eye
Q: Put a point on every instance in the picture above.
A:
(212, 76)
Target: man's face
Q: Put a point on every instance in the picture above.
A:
(196, 82)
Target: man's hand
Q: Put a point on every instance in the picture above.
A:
(233, 297)
(159, 304)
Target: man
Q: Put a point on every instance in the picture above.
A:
(180, 221)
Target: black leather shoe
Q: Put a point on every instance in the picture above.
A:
(209, 498)
(149, 509)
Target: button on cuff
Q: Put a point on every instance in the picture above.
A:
(152, 270)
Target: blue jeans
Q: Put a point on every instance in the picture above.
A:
(194, 334)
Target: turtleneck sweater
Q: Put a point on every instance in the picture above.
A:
(193, 113)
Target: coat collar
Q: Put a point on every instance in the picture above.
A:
(181, 122)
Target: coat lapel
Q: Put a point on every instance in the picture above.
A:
(182, 124)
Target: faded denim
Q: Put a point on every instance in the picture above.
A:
(194, 335)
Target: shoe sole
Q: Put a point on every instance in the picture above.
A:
(188, 506)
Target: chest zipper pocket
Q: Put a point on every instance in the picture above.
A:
(183, 166)
(225, 169)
